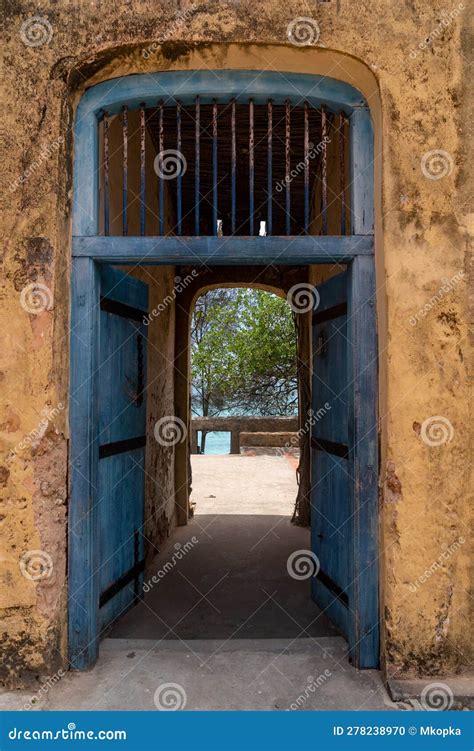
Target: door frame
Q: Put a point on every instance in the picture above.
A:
(89, 249)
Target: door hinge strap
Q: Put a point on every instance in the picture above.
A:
(330, 313)
(333, 587)
(121, 309)
(120, 447)
(117, 586)
(330, 447)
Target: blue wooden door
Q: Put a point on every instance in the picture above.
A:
(122, 437)
(344, 458)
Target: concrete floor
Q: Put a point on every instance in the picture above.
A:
(225, 624)
(242, 674)
(233, 582)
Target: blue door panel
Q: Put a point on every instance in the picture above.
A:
(332, 514)
(331, 475)
(122, 436)
(128, 290)
(121, 540)
(332, 293)
(330, 379)
(121, 398)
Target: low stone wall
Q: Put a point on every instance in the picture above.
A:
(237, 426)
(278, 440)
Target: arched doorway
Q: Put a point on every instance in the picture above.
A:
(343, 332)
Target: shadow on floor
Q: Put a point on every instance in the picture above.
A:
(225, 577)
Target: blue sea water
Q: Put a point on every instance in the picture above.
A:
(217, 443)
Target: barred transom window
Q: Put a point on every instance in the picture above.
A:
(224, 169)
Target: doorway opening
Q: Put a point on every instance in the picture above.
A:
(243, 365)
(131, 427)
(239, 569)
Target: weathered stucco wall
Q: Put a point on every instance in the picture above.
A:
(419, 103)
(159, 462)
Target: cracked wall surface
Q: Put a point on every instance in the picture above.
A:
(417, 92)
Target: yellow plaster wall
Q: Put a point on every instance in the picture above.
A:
(419, 103)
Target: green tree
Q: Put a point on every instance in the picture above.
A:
(243, 354)
(213, 324)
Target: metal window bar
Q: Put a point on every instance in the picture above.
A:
(306, 168)
(179, 176)
(106, 174)
(288, 166)
(124, 171)
(197, 162)
(324, 172)
(342, 170)
(214, 168)
(233, 170)
(161, 186)
(251, 168)
(271, 146)
(142, 170)
(269, 166)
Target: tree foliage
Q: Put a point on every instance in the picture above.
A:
(243, 354)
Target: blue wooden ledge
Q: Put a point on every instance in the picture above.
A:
(232, 250)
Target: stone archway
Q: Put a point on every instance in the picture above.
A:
(279, 281)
